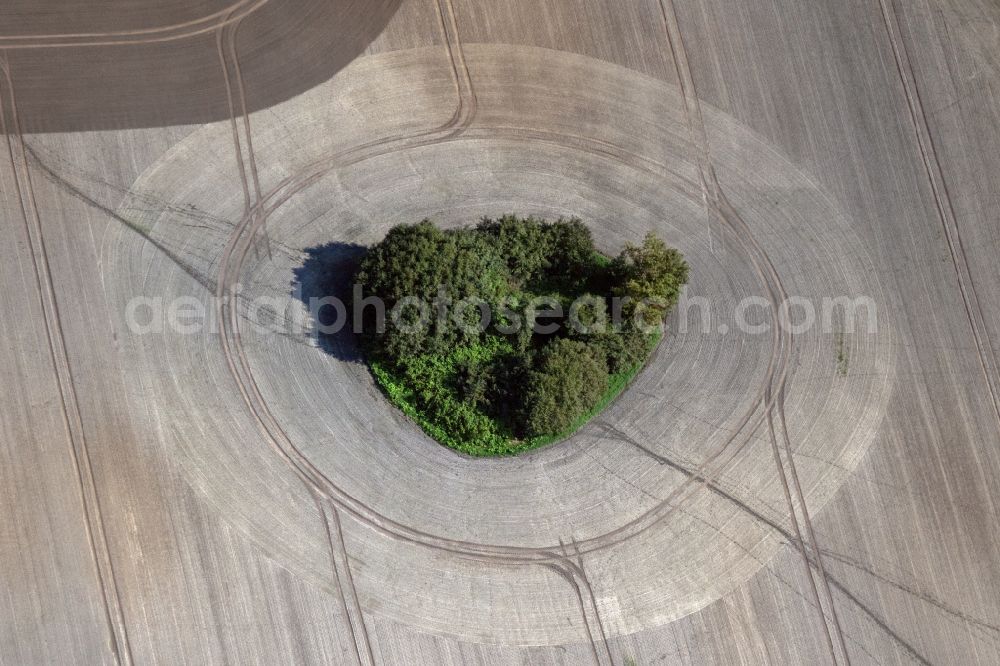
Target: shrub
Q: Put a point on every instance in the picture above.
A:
(438, 388)
(569, 381)
(474, 382)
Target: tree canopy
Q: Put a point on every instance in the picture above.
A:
(652, 272)
(459, 350)
(570, 379)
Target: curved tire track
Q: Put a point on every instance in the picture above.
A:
(214, 21)
(718, 202)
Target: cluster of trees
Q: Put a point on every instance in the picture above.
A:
(467, 352)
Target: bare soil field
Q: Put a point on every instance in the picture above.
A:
(219, 489)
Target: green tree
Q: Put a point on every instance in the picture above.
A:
(426, 263)
(571, 253)
(524, 243)
(568, 382)
(652, 271)
(621, 347)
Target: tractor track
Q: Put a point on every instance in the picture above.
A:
(69, 402)
(714, 465)
(718, 203)
(456, 127)
(226, 24)
(255, 219)
(945, 209)
(167, 33)
(339, 560)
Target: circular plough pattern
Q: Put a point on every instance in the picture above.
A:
(457, 545)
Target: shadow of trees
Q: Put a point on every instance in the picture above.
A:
(324, 275)
(285, 47)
